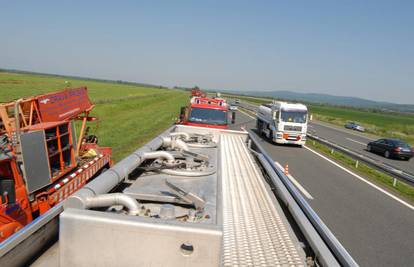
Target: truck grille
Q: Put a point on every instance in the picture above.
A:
(293, 128)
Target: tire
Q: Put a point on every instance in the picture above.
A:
(271, 137)
(387, 154)
(259, 127)
(369, 148)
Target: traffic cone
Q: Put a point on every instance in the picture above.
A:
(287, 169)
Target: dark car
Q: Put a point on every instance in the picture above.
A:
(391, 148)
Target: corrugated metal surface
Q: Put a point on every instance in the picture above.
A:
(254, 232)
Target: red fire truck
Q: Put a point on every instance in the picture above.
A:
(207, 112)
(196, 92)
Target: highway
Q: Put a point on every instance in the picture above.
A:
(374, 226)
(356, 142)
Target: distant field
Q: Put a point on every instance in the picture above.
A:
(129, 115)
(377, 123)
(381, 124)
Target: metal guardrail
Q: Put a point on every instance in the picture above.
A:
(294, 201)
(396, 173)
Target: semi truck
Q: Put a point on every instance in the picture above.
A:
(207, 112)
(42, 159)
(282, 122)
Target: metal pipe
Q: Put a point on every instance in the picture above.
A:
(112, 177)
(180, 144)
(174, 143)
(183, 134)
(17, 118)
(211, 145)
(108, 200)
(158, 154)
(187, 173)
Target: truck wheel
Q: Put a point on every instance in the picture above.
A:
(259, 126)
(387, 154)
(270, 136)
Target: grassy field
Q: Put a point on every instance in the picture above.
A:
(129, 115)
(378, 123)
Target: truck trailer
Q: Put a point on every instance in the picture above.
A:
(283, 123)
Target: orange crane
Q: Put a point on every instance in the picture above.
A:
(42, 158)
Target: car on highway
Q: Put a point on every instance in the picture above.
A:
(354, 126)
(233, 107)
(391, 148)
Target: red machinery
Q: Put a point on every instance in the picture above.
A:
(196, 92)
(42, 161)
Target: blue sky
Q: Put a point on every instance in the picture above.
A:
(353, 48)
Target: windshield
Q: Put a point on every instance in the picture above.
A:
(400, 143)
(293, 116)
(208, 116)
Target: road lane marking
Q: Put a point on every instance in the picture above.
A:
(364, 144)
(350, 132)
(245, 113)
(362, 179)
(295, 182)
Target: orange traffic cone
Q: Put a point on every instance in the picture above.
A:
(287, 169)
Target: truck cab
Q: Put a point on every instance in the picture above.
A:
(207, 112)
(283, 123)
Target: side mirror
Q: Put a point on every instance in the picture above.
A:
(233, 117)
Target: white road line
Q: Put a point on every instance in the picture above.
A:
(363, 179)
(245, 113)
(295, 182)
(364, 144)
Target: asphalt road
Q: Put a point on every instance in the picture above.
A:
(376, 229)
(356, 142)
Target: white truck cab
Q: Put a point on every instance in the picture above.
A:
(283, 123)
